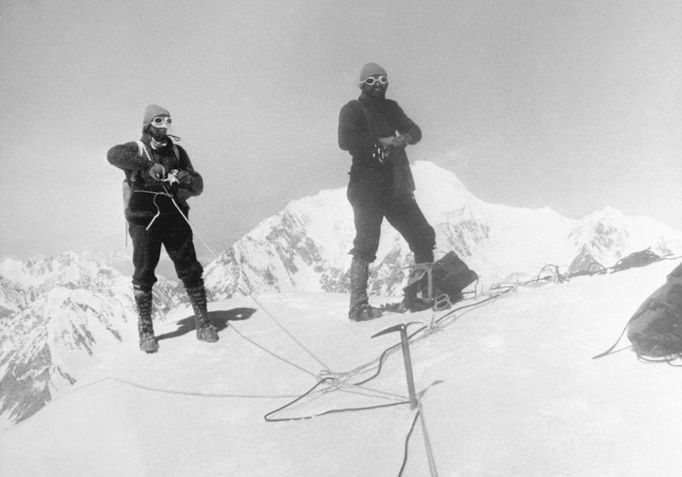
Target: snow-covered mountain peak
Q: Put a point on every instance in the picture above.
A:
(609, 218)
(306, 245)
(65, 269)
(607, 213)
(440, 191)
(608, 235)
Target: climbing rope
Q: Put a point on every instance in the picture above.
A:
(176, 392)
(245, 279)
(340, 381)
(271, 316)
(268, 417)
(328, 381)
(271, 353)
(412, 337)
(407, 442)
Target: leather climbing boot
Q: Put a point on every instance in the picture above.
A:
(360, 309)
(364, 312)
(206, 331)
(145, 328)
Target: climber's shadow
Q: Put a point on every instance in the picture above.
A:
(219, 318)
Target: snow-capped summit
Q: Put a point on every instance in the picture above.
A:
(440, 191)
(59, 314)
(305, 246)
(608, 235)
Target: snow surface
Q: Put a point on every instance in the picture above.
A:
(520, 395)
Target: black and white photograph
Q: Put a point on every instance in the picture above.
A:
(342, 238)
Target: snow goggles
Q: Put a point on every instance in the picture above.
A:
(161, 121)
(372, 80)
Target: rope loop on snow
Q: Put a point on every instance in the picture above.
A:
(251, 295)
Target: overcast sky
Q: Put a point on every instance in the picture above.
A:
(573, 105)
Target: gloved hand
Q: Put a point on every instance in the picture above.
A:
(184, 177)
(390, 141)
(157, 172)
(182, 195)
(405, 139)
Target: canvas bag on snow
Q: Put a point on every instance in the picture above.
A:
(450, 276)
(637, 259)
(655, 330)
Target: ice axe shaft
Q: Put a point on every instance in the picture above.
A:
(405, 343)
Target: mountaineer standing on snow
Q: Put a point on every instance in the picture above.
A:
(376, 131)
(159, 178)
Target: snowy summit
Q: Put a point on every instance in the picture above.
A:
(507, 381)
(517, 394)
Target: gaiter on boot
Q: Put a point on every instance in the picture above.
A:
(145, 329)
(206, 331)
(360, 310)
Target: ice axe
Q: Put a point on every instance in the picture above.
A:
(402, 328)
(414, 402)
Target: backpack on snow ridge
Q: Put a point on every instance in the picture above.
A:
(655, 330)
(636, 259)
(449, 275)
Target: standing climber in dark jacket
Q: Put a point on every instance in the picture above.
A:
(159, 178)
(376, 131)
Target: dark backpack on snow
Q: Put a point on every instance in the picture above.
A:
(450, 275)
(655, 330)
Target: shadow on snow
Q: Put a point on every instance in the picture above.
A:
(219, 318)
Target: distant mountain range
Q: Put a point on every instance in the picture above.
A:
(305, 246)
(58, 314)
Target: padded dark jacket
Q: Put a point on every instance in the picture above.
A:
(361, 123)
(144, 202)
